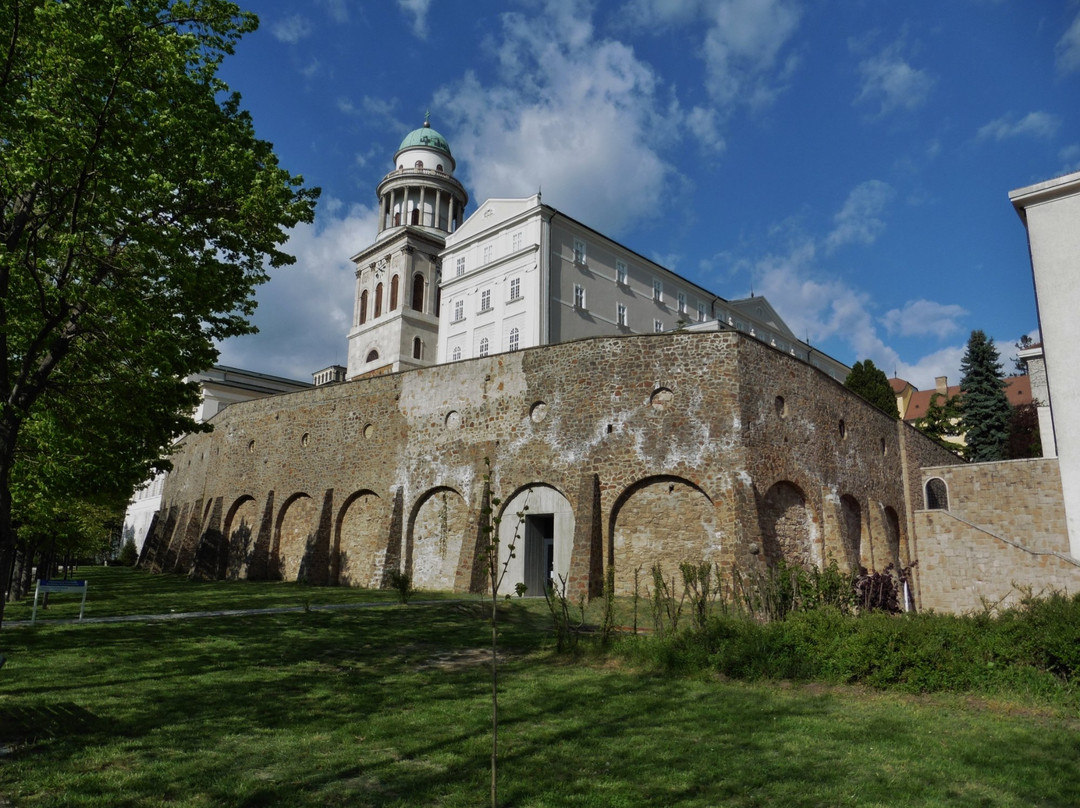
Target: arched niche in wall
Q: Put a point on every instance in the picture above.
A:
(663, 520)
(851, 527)
(542, 535)
(241, 525)
(437, 526)
(360, 540)
(297, 524)
(787, 531)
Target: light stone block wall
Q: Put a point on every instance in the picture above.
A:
(1003, 533)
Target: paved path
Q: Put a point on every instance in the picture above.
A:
(144, 618)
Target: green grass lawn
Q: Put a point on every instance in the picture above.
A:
(391, 707)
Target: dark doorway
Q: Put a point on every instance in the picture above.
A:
(539, 552)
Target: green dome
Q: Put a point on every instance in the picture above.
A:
(425, 137)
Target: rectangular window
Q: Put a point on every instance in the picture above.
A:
(701, 312)
(459, 267)
(658, 290)
(515, 288)
(620, 315)
(488, 250)
(657, 326)
(579, 296)
(516, 241)
(485, 300)
(579, 251)
(459, 310)
(620, 272)
(682, 302)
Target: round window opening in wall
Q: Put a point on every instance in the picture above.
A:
(305, 438)
(453, 419)
(251, 446)
(661, 399)
(369, 430)
(781, 406)
(538, 411)
(843, 429)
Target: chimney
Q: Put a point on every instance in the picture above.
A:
(942, 384)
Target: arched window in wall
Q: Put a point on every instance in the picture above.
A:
(378, 301)
(394, 284)
(363, 307)
(417, 348)
(415, 219)
(372, 356)
(456, 353)
(418, 292)
(515, 336)
(483, 346)
(937, 495)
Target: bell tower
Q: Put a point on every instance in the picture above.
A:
(396, 316)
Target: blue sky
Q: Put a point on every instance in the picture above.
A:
(849, 159)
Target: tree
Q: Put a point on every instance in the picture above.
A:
(872, 384)
(1025, 439)
(941, 419)
(984, 408)
(138, 212)
(1020, 365)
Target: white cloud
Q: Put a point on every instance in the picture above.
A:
(1068, 48)
(945, 362)
(337, 9)
(291, 29)
(924, 317)
(891, 83)
(574, 115)
(1034, 124)
(741, 46)
(859, 220)
(418, 10)
(305, 310)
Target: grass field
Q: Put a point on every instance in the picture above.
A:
(391, 707)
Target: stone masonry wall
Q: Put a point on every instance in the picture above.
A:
(1003, 532)
(658, 448)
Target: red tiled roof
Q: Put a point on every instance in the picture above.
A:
(1017, 390)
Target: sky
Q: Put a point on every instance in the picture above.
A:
(850, 160)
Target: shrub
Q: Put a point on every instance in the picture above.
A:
(128, 556)
(402, 582)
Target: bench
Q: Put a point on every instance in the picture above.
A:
(69, 587)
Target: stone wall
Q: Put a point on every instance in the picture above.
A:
(643, 450)
(1001, 532)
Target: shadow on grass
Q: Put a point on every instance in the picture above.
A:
(391, 708)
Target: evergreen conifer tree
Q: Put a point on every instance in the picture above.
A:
(985, 410)
(871, 383)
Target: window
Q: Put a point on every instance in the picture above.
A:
(487, 253)
(483, 346)
(516, 240)
(658, 290)
(459, 266)
(417, 348)
(579, 251)
(513, 342)
(418, 292)
(363, 307)
(579, 296)
(378, 300)
(372, 356)
(937, 495)
(515, 288)
(485, 300)
(682, 302)
(657, 327)
(456, 354)
(701, 312)
(620, 315)
(459, 311)
(620, 272)
(394, 285)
